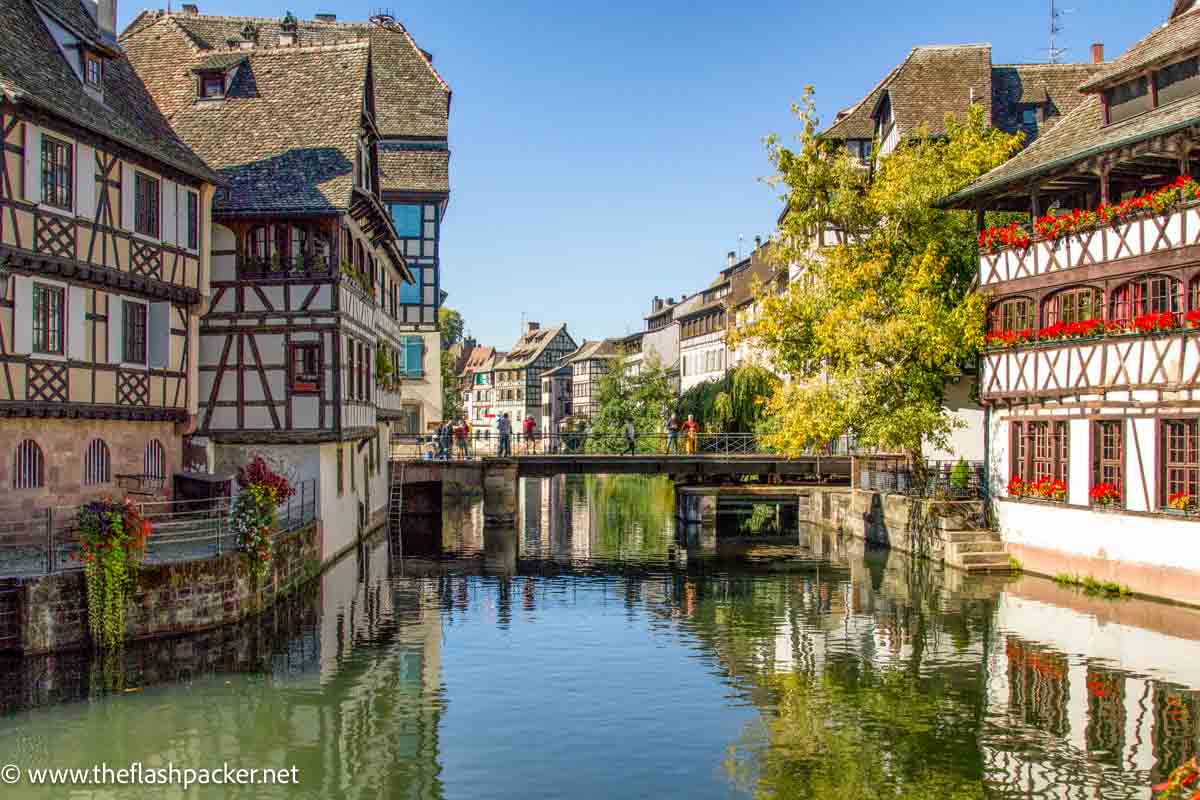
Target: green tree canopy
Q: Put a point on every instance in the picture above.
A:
(644, 397)
(734, 404)
(873, 329)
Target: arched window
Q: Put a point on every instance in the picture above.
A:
(97, 464)
(1015, 314)
(29, 467)
(1078, 304)
(1152, 294)
(256, 243)
(156, 460)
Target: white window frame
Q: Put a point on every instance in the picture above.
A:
(181, 213)
(42, 134)
(66, 321)
(134, 171)
(144, 366)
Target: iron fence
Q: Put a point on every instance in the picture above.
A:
(488, 444)
(183, 530)
(944, 480)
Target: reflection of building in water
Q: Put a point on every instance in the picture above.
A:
(530, 498)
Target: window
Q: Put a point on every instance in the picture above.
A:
(306, 368)
(97, 463)
(413, 354)
(212, 84)
(1108, 452)
(155, 460)
(256, 243)
(134, 326)
(1180, 458)
(1040, 450)
(145, 205)
(1128, 100)
(48, 303)
(1152, 294)
(1074, 305)
(1029, 119)
(57, 173)
(341, 481)
(410, 293)
(93, 70)
(407, 219)
(29, 467)
(193, 221)
(1178, 81)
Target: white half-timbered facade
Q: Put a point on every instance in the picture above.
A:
(104, 246)
(1092, 374)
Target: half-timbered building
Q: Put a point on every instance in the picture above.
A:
(303, 345)
(1092, 376)
(589, 364)
(104, 254)
(411, 107)
(518, 375)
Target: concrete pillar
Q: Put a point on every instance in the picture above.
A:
(500, 494)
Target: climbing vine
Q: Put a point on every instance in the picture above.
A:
(112, 539)
(254, 512)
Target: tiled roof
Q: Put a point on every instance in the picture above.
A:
(411, 98)
(34, 71)
(275, 154)
(1163, 43)
(529, 347)
(936, 81)
(406, 167)
(477, 359)
(594, 349)
(1079, 135)
(856, 122)
(220, 61)
(1014, 85)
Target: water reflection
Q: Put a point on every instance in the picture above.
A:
(600, 649)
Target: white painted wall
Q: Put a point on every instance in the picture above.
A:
(966, 442)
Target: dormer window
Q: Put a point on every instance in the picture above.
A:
(212, 85)
(93, 70)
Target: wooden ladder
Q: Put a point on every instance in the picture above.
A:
(395, 498)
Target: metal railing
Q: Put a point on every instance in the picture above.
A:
(183, 530)
(483, 444)
(942, 480)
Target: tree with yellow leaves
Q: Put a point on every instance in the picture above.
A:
(872, 330)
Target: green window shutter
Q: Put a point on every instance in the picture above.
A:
(414, 353)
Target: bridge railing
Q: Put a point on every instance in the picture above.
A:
(943, 480)
(480, 444)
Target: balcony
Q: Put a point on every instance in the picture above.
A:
(1138, 235)
(302, 267)
(1167, 361)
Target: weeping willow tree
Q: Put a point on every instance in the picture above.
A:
(734, 404)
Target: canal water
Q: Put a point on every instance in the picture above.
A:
(599, 652)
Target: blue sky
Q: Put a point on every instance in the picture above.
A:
(604, 153)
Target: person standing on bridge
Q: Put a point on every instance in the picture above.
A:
(630, 438)
(673, 435)
(504, 430)
(690, 430)
(530, 428)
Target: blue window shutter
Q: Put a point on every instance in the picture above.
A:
(414, 354)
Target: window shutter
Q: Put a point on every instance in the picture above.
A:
(22, 314)
(116, 328)
(127, 191)
(76, 305)
(158, 334)
(415, 355)
(169, 219)
(85, 181)
(33, 164)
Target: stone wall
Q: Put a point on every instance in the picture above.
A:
(63, 442)
(170, 599)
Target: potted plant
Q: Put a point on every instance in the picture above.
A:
(112, 541)
(1180, 504)
(1105, 497)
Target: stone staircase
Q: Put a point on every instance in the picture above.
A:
(970, 547)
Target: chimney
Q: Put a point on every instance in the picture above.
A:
(1098, 53)
(757, 242)
(732, 257)
(326, 17)
(656, 304)
(191, 9)
(106, 18)
(530, 327)
(670, 301)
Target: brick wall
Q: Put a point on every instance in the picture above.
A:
(170, 599)
(63, 443)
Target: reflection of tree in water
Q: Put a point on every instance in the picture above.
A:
(855, 732)
(633, 513)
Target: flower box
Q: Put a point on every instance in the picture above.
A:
(1175, 512)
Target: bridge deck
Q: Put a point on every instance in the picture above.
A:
(815, 468)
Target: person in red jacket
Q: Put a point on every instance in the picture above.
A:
(690, 431)
(530, 428)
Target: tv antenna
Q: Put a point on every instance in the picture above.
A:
(1056, 14)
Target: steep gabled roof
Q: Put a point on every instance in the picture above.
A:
(856, 121)
(275, 154)
(1164, 44)
(1016, 85)
(529, 347)
(411, 100)
(593, 349)
(33, 70)
(936, 81)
